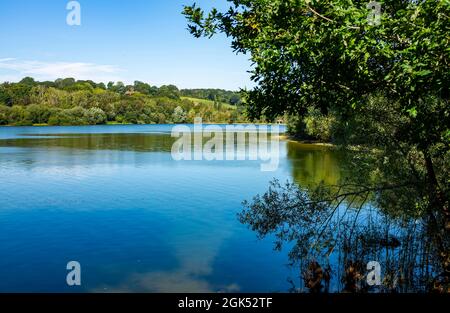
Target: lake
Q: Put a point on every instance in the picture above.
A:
(113, 199)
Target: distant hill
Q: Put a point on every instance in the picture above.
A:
(84, 102)
(214, 104)
(220, 95)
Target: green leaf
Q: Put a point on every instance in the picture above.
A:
(424, 73)
(412, 112)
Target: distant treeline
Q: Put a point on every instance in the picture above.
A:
(220, 95)
(84, 102)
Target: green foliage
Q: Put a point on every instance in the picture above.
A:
(95, 116)
(316, 58)
(71, 102)
(169, 91)
(29, 81)
(382, 90)
(325, 53)
(4, 114)
(65, 117)
(39, 114)
(318, 125)
(313, 126)
(145, 89)
(296, 127)
(218, 95)
(15, 94)
(179, 116)
(19, 116)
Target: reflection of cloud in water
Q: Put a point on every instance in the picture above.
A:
(166, 282)
(196, 264)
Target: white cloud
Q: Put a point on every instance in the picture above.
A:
(17, 69)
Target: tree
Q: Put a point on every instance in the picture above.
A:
(169, 91)
(326, 52)
(221, 95)
(120, 88)
(391, 77)
(15, 94)
(4, 114)
(235, 99)
(39, 114)
(110, 86)
(63, 83)
(101, 86)
(65, 101)
(179, 116)
(19, 116)
(141, 87)
(73, 116)
(28, 81)
(5, 97)
(80, 86)
(95, 116)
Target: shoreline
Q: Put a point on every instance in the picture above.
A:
(283, 137)
(120, 124)
(306, 142)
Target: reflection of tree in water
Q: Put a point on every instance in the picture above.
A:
(312, 164)
(145, 142)
(335, 230)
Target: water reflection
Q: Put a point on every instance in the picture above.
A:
(135, 219)
(313, 164)
(120, 142)
(332, 228)
(141, 222)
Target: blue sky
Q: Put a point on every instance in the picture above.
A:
(123, 40)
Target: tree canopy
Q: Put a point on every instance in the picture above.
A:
(327, 53)
(379, 88)
(76, 102)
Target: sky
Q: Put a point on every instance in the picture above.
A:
(118, 40)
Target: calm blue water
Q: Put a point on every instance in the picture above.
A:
(112, 198)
